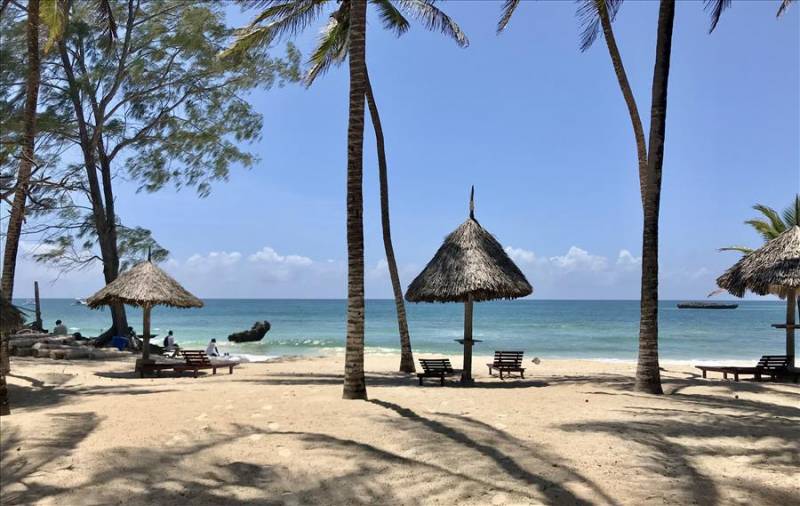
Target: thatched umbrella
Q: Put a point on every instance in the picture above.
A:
(145, 285)
(772, 269)
(471, 266)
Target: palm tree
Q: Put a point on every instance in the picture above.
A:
(355, 386)
(54, 18)
(597, 15)
(32, 80)
(772, 224)
(332, 49)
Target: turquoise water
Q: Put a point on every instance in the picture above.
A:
(545, 328)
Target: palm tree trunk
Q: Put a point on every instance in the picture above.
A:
(406, 355)
(354, 384)
(627, 92)
(648, 376)
(14, 230)
(26, 164)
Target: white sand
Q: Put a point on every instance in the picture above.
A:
(88, 433)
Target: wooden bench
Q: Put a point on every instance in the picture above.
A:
(156, 367)
(507, 362)
(769, 365)
(435, 368)
(197, 359)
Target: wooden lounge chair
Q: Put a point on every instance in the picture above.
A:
(197, 359)
(769, 365)
(507, 362)
(435, 368)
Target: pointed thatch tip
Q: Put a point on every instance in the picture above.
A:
(471, 263)
(472, 203)
(144, 285)
(771, 269)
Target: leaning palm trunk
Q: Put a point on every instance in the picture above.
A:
(627, 92)
(648, 377)
(354, 384)
(26, 164)
(406, 355)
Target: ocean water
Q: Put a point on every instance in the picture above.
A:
(544, 328)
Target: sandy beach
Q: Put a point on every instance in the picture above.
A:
(572, 432)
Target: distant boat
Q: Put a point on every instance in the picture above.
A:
(707, 305)
(80, 302)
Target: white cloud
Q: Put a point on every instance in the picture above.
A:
(579, 259)
(520, 255)
(210, 261)
(626, 259)
(270, 256)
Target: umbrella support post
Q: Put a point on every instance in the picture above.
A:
(146, 333)
(466, 374)
(791, 297)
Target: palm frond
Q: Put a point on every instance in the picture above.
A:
(588, 15)
(282, 19)
(782, 9)
(392, 18)
(791, 215)
(434, 19)
(774, 218)
(764, 229)
(716, 7)
(333, 44)
(741, 249)
(509, 6)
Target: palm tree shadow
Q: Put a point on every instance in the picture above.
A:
(499, 447)
(26, 458)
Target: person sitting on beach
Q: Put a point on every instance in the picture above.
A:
(60, 329)
(169, 342)
(211, 349)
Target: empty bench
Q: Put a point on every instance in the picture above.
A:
(435, 368)
(769, 365)
(197, 359)
(507, 362)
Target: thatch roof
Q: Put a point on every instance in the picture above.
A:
(470, 262)
(144, 285)
(770, 269)
(11, 317)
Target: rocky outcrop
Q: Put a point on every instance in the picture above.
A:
(256, 333)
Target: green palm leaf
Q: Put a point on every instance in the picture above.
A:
(509, 6)
(434, 19)
(332, 47)
(776, 225)
(589, 18)
(791, 215)
(741, 249)
(716, 7)
(392, 18)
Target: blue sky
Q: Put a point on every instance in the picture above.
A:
(538, 127)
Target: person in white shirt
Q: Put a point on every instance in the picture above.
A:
(211, 349)
(169, 342)
(60, 329)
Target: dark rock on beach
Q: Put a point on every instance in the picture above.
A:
(256, 333)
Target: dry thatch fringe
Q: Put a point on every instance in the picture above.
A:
(144, 285)
(772, 268)
(11, 317)
(470, 262)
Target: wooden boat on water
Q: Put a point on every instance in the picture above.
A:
(706, 305)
